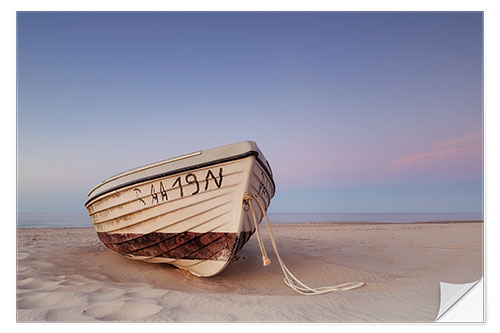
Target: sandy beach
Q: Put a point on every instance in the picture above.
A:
(68, 275)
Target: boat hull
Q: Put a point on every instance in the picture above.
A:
(196, 220)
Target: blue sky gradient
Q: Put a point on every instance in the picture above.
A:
(356, 112)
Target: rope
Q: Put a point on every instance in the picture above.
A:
(290, 280)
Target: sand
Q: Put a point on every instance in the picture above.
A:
(67, 275)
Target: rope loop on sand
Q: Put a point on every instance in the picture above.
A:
(290, 280)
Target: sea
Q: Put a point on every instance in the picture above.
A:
(82, 220)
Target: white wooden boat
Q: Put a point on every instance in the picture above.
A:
(188, 211)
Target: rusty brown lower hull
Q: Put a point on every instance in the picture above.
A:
(184, 245)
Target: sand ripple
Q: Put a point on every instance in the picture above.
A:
(131, 311)
(52, 299)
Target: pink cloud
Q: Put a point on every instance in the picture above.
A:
(460, 150)
(468, 139)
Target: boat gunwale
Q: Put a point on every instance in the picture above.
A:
(139, 169)
(184, 169)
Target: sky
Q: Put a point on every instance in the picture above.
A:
(356, 112)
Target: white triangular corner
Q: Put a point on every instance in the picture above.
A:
(461, 302)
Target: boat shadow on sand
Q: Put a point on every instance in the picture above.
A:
(245, 273)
